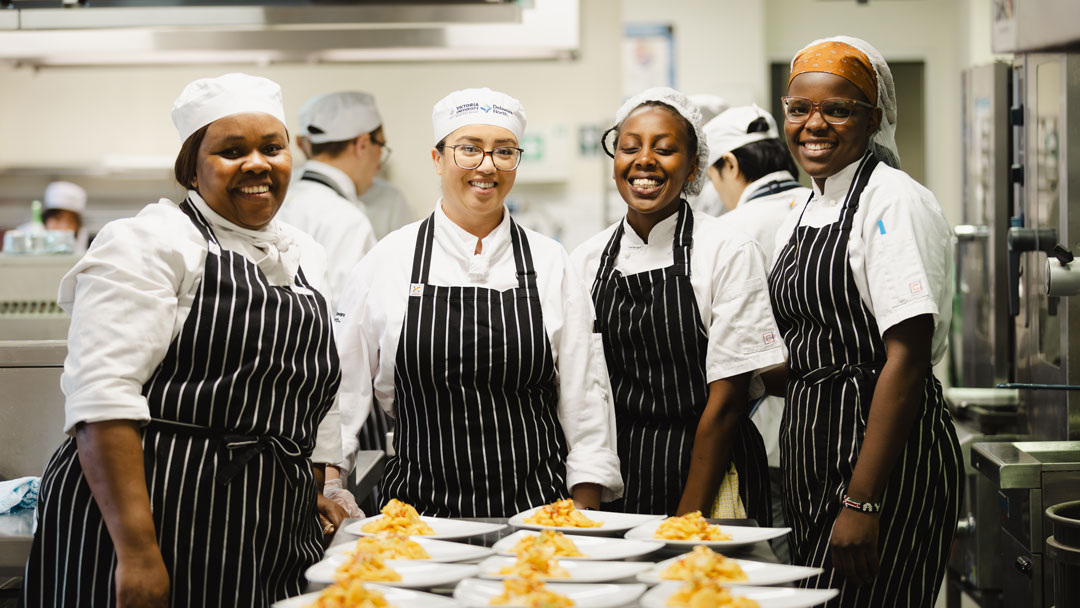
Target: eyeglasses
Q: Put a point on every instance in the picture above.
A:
(468, 156)
(384, 150)
(834, 110)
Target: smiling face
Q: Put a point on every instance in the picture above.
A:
(243, 168)
(653, 161)
(823, 149)
(470, 195)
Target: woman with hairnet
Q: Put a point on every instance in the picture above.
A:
(682, 308)
(861, 291)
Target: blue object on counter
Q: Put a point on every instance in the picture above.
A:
(21, 493)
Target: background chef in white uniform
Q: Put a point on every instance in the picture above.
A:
(341, 133)
(386, 207)
(478, 336)
(753, 173)
(707, 201)
(65, 204)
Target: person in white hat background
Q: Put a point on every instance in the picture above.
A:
(386, 207)
(707, 201)
(476, 336)
(752, 172)
(199, 381)
(682, 307)
(65, 204)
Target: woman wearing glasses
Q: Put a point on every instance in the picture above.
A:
(860, 290)
(476, 337)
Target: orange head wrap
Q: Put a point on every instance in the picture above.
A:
(841, 59)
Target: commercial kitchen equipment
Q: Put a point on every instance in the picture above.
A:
(28, 286)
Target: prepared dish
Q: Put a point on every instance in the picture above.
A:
(703, 561)
(691, 526)
(563, 546)
(562, 514)
(366, 567)
(530, 592)
(350, 595)
(704, 593)
(390, 545)
(398, 517)
(539, 560)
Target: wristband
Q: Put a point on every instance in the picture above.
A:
(865, 507)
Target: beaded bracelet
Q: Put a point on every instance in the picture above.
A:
(865, 507)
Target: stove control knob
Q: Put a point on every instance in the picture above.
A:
(1024, 565)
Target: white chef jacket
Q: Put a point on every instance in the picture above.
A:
(334, 222)
(129, 296)
(727, 273)
(900, 248)
(372, 310)
(386, 207)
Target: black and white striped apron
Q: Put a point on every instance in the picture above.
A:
(655, 345)
(372, 435)
(235, 406)
(836, 354)
(476, 396)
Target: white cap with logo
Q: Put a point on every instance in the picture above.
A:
(208, 99)
(477, 107)
(339, 116)
(66, 196)
(727, 131)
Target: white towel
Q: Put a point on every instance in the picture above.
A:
(21, 493)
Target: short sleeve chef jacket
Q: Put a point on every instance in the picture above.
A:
(372, 309)
(135, 288)
(900, 247)
(334, 222)
(727, 273)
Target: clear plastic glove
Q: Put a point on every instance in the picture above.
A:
(333, 490)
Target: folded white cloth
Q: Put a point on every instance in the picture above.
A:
(21, 493)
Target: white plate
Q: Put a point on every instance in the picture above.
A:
(478, 593)
(444, 528)
(402, 598)
(766, 597)
(439, 550)
(414, 574)
(740, 535)
(580, 572)
(612, 522)
(594, 547)
(757, 573)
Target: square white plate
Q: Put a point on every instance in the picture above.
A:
(594, 547)
(478, 593)
(439, 550)
(740, 536)
(757, 573)
(444, 528)
(414, 574)
(611, 522)
(402, 598)
(580, 572)
(766, 597)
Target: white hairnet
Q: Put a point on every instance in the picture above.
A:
(882, 141)
(686, 108)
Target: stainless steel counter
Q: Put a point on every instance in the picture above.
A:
(16, 533)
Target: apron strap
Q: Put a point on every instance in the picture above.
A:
(862, 176)
(425, 238)
(683, 241)
(523, 260)
(319, 178)
(200, 222)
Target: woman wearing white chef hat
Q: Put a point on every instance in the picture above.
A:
(477, 336)
(65, 204)
(200, 378)
(683, 309)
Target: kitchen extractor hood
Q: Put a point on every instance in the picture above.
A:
(285, 31)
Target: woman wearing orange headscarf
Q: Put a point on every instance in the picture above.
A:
(861, 293)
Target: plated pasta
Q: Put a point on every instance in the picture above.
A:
(557, 541)
(705, 562)
(539, 560)
(691, 526)
(561, 514)
(531, 592)
(401, 518)
(351, 594)
(390, 545)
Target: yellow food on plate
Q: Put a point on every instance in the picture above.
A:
(350, 595)
(539, 560)
(366, 567)
(398, 517)
(530, 592)
(390, 545)
(561, 513)
(563, 546)
(703, 561)
(704, 593)
(691, 526)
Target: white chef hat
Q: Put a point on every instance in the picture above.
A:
(710, 105)
(477, 107)
(339, 116)
(207, 99)
(65, 195)
(727, 131)
(688, 110)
